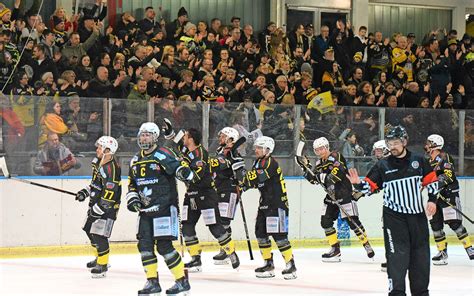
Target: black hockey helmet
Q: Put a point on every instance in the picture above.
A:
(397, 132)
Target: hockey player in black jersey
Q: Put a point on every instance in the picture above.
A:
(152, 192)
(272, 216)
(105, 191)
(201, 199)
(402, 175)
(443, 165)
(330, 172)
(221, 167)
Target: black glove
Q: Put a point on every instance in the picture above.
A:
(167, 129)
(134, 203)
(82, 194)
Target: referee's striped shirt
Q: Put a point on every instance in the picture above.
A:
(402, 180)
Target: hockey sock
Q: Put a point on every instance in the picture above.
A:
(463, 236)
(194, 250)
(265, 246)
(285, 249)
(440, 239)
(332, 238)
(103, 257)
(227, 244)
(175, 264)
(96, 251)
(362, 236)
(150, 264)
(192, 243)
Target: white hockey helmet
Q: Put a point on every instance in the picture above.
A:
(436, 141)
(230, 132)
(321, 142)
(381, 145)
(266, 143)
(107, 142)
(148, 127)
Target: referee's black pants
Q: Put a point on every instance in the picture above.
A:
(407, 249)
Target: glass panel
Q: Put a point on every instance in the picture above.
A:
(27, 122)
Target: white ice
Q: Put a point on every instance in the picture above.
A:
(355, 275)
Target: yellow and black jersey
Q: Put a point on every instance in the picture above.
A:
(221, 168)
(333, 171)
(95, 185)
(198, 161)
(443, 166)
(266, 175)
(108, 197)
(152, 176)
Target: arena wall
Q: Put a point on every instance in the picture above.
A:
(33, 216)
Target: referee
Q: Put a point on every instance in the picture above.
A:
(402, 175)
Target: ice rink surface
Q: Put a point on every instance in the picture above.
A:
(355, 275)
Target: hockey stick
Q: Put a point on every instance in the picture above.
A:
(304, 160)
(456, 209)
(4, 168)
(238, 143)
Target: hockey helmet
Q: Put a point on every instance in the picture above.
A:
(148, 127)
(107, 142)
(230, 132)
(265, 142)
(435, 141)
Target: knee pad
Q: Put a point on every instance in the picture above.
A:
(188, 229)
(145, 245)
(170, 256)
(438, 233)
(282, 242)
(264, 241)
(456, 225)
(329, 230)
(217, 231)
(354, 221)
(326, 222)
(460, 230)
(164, 247)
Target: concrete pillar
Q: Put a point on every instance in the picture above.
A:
(459, 20)
(360, 14)
(278, 12)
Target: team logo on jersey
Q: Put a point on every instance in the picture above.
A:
(154, 167)
(221, 160)
(199, 163)
(159, 155)
(145, 195)
(110, 185)
(415, 164)
(447, 165)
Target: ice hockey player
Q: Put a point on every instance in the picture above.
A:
(201, 199)
(330, 172)
(443, 165)
(152, 192)
(273, 210)
(221, 167)
(105, 191)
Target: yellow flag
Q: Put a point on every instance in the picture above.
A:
(322, 102)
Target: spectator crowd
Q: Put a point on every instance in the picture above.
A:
(52, 70)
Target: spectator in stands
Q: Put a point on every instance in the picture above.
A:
(55, 159)
(175, 29)
(78, 49)
(51, 121)
(321, 43)
(403, 58)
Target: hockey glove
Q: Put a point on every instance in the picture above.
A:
(167, 129)
(134, 203)
(82, 194)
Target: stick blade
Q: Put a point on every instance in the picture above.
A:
(299, 149)
(3, 167)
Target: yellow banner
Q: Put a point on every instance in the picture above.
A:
(322, 102)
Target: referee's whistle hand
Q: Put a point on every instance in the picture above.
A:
(430, 208)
